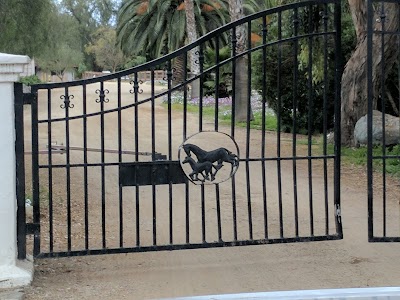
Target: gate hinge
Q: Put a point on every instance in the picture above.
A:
(31, 228)
(28, 98)
(338, 212)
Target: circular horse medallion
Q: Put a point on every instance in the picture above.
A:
(209, 157)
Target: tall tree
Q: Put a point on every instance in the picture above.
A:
(90, 15)
(62, 59)
(24, 26)
(153, 28)
(156, 27)
(354, 79)
(191, 31)
(105, 50)
(62, 52)
(242, 96)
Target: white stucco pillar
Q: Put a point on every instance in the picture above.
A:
(13, 273)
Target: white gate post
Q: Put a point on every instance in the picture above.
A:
(13, 273)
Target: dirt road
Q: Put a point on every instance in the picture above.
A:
(351, 262)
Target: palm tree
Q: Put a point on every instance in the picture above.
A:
(237, 10)
(156, 27)
(191, 31)
(241, 94)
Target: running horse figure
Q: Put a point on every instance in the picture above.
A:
(219, 155)
(199, 168)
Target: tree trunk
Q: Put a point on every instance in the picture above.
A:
(178, 75)
(242, 96)
(354, 78)
(191, 30)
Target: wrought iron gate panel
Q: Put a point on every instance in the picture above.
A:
(383, 201)
(107, 152)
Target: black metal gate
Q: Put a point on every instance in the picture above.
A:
(383, 71)
(110, 155)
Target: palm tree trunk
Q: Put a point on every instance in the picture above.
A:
(178, 76)
(192, 35)
(242, 97)
(191, 30)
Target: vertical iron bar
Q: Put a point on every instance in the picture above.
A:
(201, 61)
(68, 159)
(153, 115)
(103, 177)
(310, 121)
(294, 126)
(338, 74)
(120, 197)
(136, 124)
(185, 100)
(369, 121)
(20, 169)
(50, 172)
(170, 73)
(153, 151)
(85, 168)
(203, 215)
(234, 216)
(383, 19)
(218, 203)
(185, 96)
(35, 171)
(398, 68)
(234, 44)
(398, 72)
(278, 136)
(217, 74)
(325, 116)
(264, 102)
(171, 228)
(233, 111)
(187, 212)
(248, 118)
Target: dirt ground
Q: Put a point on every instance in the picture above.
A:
(347, 263)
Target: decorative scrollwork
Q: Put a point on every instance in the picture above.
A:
(136, 88)
(67, 101)
(263, 29)
(197, 54)
(169, 72)
(102, 96)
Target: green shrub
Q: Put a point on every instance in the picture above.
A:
(29, 80)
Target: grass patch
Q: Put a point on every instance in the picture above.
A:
(271, 122)
(355, 156)
(43, 197)
(359, 157)
(224, 112)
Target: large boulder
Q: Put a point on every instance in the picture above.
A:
(392, 129)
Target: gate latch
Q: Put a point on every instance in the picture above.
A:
(338, 212)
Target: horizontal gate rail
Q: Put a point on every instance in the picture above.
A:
(60, 149)
(189, 246)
